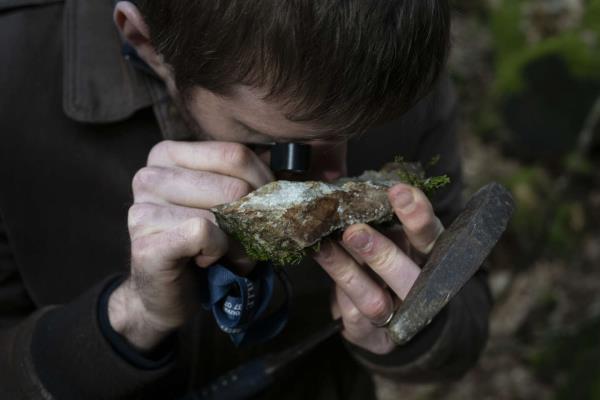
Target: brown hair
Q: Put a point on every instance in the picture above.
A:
(344, 64)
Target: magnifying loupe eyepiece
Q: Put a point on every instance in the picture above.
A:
(290, 157)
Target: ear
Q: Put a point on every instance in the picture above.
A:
(133, 29)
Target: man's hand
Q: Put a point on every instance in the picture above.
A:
(372, 272)
(169, 224)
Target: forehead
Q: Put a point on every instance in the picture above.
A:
(249, 107)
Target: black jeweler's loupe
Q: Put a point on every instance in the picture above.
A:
(290, 157)
(286, 157)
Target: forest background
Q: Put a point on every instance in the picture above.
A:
(528, 79)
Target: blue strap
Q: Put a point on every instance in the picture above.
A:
(239, 303)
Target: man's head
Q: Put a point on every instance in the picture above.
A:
(268, 69)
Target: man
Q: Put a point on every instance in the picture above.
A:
(91, 309)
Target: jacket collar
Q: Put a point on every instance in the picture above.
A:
(99, 85)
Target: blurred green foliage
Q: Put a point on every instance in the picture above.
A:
(570, 361)
(579, 46)
(528, 73)
(530, 186)
(542, 221)
(535, 119)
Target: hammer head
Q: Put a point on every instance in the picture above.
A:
(456, 256)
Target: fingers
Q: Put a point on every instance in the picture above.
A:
(169, 223)
(181, 182)
(357, 328)
(161, 253)
(416, 214)
(383, 257)
(222, 158)
(373, 302)
(147, 218)
(199, 174)
(188, 188)
(355, 323)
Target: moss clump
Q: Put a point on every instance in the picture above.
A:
(428, 185)
(277, 256)
(274, 254)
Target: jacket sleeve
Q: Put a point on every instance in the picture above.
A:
(451, 344)
(59, 352)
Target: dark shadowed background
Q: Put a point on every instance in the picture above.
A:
(528, 76)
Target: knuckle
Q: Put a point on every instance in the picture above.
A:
(342, 274)
(199, 228)
(141, 251)
(160, 151)
(145, 179)
(377, 307)
(353, 315)
(138, 214)
(346, 279)
(237, 155)
(384, 257)
(236, 189)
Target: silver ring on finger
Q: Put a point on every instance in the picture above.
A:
(385, 322)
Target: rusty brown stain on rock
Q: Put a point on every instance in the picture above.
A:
(281, 219)
(311, 222)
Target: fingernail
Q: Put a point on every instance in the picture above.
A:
(403, 200)
(325, 250)
(360, 240)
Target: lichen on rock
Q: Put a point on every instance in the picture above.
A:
(281, 220)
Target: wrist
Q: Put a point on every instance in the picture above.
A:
(129, 318)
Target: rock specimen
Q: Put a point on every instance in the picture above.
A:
(280, 220)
